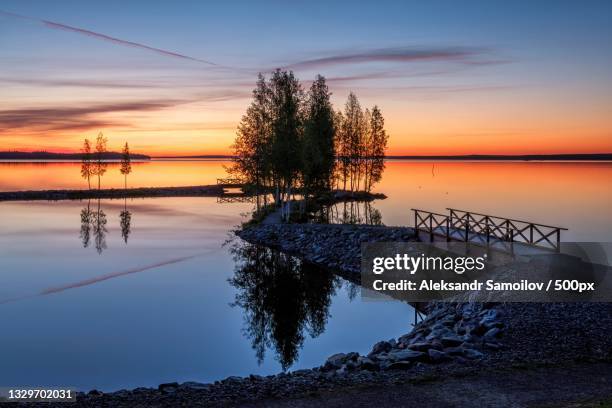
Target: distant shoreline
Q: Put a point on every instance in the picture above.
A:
(521, 157)
(484, 157)
(25, 157)
(37, 156)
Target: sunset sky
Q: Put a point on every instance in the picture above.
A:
(174, 78)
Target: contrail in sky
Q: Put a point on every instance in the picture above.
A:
(104, 37)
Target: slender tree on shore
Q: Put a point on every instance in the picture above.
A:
(286, 102)
(253, 140)
(318, 145)
(126, 163)
(100, 164)
(378, 140)
(86, 165)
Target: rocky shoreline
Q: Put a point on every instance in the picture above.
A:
(331, 246)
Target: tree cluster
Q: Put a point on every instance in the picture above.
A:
(291, 140)
(94, 164)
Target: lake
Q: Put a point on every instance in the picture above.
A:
(115, 294)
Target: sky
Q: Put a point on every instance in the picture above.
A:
(174, 78)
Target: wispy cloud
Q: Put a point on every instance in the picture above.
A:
(398, 55)
(108, 38)
(79, 83)
(75, 118)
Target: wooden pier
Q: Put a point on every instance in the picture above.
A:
(484, 229)
(230, 183)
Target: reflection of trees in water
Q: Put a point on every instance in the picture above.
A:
(93, 221)
(125, 221)
(86, 218)
(282, 298)
(353, 212)
(99, 229)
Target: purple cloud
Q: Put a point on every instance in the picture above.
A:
(401, 55)
(74, 118)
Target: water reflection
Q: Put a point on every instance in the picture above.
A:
(282, 298)
(353, 212)
(99, 229)
(125, 221)
(94, 221)
(86, 217)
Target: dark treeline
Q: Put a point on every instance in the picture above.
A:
(64, 156)
(292, 140)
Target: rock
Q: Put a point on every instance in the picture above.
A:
(490, 319)
(423, 347)
(436, 356)
(399, 365)
(492, 333)
(367, 364)
(451, 340)
(197, 386)
(336, 360)
(473, 354)
(168, 388)
(408, 355)
(492, 346)
(350, 365)
(352, 356)
(438, 333)
(454, 351)
(381, 347)
(382, 357)
(95, 393)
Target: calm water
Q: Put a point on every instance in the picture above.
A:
(81, 306)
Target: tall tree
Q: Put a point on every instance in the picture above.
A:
(126, 163)
(86, 165)
(378, 141)
(318, 144)
(252, 143)
(100, 164)
(285, 100)
(353, 139)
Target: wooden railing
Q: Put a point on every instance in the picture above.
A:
(483, 228)
(431, 222)
(230, 182)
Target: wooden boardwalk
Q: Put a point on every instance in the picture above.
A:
(488, 230)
